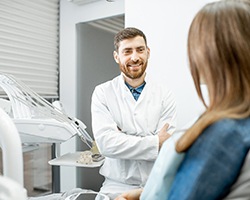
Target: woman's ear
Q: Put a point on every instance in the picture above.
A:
(115, 54)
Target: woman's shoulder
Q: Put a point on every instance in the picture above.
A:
(227, 130)
(228, 125)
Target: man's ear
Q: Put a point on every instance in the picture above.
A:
(115, 54)
(148, 49)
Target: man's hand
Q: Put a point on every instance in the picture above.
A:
(163, 135)
(130, 195)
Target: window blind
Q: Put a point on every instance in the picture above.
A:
(29, 43)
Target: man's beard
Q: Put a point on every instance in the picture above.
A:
(133, 74)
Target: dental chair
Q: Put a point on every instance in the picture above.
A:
(241, 188)
(11, 190)
(11, 183)
(32, 119)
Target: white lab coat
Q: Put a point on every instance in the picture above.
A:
(126, 130)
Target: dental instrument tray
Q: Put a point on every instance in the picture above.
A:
(74, 159)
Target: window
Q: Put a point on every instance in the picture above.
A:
(29, 50)
(29, 37)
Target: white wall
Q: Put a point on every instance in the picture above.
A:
(70, 15)
(166, 23)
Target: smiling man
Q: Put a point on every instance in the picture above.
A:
(131, 116)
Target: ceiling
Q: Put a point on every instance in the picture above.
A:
(112, 24)
(81, 2)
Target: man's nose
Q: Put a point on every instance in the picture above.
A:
(134, 57)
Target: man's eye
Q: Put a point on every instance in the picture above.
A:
(141, 49)
(127, 52)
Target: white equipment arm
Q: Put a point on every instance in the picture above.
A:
(36, 119)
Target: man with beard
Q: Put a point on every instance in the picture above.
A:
(131, 116)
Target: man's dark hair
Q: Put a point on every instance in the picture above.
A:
(127, 33)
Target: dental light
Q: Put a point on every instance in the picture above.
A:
(36, 119)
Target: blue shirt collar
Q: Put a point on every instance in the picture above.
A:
(136, 91)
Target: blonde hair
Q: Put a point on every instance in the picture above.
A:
(219, 54)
